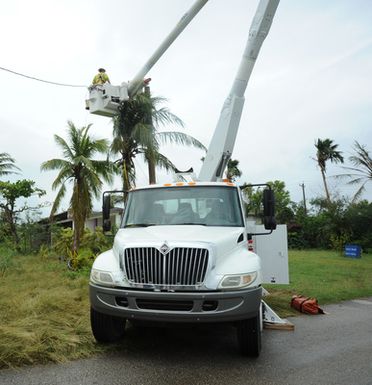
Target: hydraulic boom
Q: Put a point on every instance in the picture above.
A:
(105, 100)
(223, 140)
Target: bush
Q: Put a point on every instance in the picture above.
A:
(64, 242)
(338, 242)
(44, 251)
(96, 241)
(91, 244)
(81, 259)
(296, 240)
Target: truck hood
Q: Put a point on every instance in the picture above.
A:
(211, 237)
(227, 246)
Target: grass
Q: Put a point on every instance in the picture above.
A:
(325, 275)
(44, 309)
(6, 260)
(44, 313)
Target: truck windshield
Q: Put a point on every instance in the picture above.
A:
(194, 205)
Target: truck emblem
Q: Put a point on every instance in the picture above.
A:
(164, 249)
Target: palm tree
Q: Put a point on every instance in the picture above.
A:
(80, 169)
(135, 133)
(232, 170)
(361, 173)
(326, 150)
(7, 165)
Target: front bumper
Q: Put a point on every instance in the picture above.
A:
(217, 306)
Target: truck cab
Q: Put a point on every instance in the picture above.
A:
(180, 255)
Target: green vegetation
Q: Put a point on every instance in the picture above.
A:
(232, 170)
(325, 275)
(327, 151)
(361, 172)
(44, 312)
(331, 225)
(79, 168)
(136, 132)
(7, 165)
(283, 211)
(322, 225)
(10, 193)
(92, 244)
(6, 260)
(44, 308)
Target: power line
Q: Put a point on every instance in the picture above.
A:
(41, 80)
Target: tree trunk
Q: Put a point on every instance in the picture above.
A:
(151, 168)
(12, 228)
(125, 177)
(78, 215)
(150, 160)
(325, 186)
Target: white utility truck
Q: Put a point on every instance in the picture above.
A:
(181, 253)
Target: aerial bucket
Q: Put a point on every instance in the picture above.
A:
(105, 99)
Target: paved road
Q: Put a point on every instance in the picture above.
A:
(329, 349)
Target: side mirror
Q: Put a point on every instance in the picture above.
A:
(269, 209)
(106, 206)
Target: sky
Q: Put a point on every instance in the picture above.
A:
(311, 80)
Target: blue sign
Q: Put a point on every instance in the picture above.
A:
(353, 251)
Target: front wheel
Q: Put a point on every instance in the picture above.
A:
(249, 336)
(106, 328)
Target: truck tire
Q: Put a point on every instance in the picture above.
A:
(249, 336)
(106, 328)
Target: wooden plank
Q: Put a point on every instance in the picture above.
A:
(279, 326)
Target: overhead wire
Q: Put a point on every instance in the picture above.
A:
(41, 80)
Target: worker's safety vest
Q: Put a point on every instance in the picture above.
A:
(100, 78)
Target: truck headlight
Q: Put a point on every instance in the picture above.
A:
(101, 277)
(237, 281)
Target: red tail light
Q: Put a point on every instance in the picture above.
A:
(250, 245)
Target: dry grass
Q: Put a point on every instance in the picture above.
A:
(44, 313)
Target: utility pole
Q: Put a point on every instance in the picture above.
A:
(303, 194)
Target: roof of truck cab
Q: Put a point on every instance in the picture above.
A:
(186, 184)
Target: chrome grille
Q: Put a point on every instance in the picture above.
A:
(181, 266)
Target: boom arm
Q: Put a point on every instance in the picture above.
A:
(137, 81)
(223, 140)
(106, 99)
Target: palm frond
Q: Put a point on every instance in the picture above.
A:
(135, 131)
(144, 135)
(55, 164)
(64, 175)
(7, 165)
(104, 168)
(164, 163)
(57, 201)
(175, 137)
(163, 117)
(361, 173)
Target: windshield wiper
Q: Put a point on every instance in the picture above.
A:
(140, 225)
(191, 223)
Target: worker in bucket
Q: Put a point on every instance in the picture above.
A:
(101, 77)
